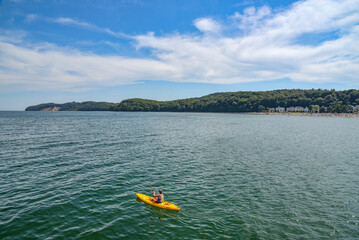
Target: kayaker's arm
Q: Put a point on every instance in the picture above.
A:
(156, 195)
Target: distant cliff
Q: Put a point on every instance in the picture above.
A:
(315, 100)
(73, 106)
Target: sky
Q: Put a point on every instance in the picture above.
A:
(110, 50)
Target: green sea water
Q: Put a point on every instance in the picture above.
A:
(74, 175)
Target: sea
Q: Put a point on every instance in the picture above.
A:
(75, 175)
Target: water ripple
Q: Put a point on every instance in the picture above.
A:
(74, 176)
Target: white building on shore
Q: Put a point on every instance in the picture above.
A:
(355, 108)
(291, 109)
(299, 109)
(280, 109)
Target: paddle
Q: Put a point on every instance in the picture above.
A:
(152, 190)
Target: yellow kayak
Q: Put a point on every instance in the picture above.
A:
(166, 205)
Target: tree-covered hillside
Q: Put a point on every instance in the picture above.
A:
(73, 106)
(323, 100)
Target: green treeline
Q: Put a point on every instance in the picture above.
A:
(244, 101)
(73, 106)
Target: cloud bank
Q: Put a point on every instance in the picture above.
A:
(258, 44)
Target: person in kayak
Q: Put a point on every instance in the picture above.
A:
(158, 198)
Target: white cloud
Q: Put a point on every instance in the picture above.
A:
(263, 45)
(48, 67)
(74, 22)
(70, 21)
(251, 17)
(207, 25)
(30, 18)
(258, 44)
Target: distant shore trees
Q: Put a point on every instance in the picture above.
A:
(317, 100)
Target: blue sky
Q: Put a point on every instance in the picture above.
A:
(110, 50)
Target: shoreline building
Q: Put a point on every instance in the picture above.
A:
(280, 109)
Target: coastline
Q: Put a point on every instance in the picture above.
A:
(347, 115)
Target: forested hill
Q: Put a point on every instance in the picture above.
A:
(323, 100)
(73, 106)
